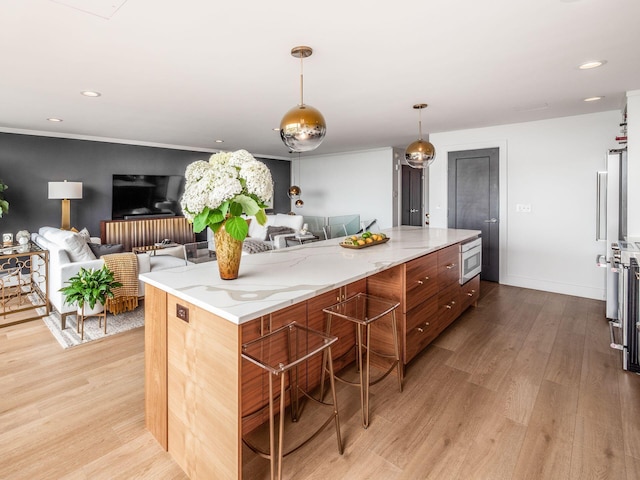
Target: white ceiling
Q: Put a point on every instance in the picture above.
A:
(186, 73)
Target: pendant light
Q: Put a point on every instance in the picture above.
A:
(421, 153)
(294, 190)
(303, 127)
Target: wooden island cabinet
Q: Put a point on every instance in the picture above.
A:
(201, 396)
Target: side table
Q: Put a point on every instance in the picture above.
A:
(300, 240)
(152, 249)
(24, 270)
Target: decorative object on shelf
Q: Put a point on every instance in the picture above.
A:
(218, 192)
(4, 205)
(7, 239)
(22, 237)
(303, 127)
(421, 153)
(65, 191)
(91, 287)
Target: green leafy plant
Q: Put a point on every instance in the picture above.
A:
(90, 286)
(4, 205)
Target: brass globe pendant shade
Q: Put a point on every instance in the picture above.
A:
(421, 153)
(303, 127)
(299, 203)
(294, 191)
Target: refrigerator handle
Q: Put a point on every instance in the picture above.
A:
(601, 206)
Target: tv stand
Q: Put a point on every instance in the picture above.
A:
(140, 232)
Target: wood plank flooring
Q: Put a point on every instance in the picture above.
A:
(524, 386)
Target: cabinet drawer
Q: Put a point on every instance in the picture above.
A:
(422, 281)
(469, 292)
(421, 327)
(448, 266)
(449, 304)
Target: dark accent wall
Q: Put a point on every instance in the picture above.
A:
(29, 162)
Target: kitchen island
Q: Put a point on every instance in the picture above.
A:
(197, 388)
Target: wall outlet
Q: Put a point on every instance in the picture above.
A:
(524, 208)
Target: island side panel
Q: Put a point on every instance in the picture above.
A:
(204, 392)
(155, 363)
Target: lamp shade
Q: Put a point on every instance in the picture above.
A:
(65, 190)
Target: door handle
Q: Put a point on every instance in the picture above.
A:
(491, 220)
(413, 210)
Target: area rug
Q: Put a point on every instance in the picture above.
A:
(69, 337)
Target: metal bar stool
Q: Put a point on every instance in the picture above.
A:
(283, 351)
(363, 310)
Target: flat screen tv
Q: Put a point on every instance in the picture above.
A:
(145, 196)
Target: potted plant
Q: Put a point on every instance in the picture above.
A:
(91, 288)
(216, 195)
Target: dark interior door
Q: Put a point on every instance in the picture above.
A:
(411, 196)
(474, 201)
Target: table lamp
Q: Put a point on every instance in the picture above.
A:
(65, 191)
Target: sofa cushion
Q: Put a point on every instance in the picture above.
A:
(260, 231)
(291, 221)
(72, 242)
(99, 249)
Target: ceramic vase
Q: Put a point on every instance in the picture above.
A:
(228, 253)
(97, 308)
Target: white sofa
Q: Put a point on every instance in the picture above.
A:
(69, 251)
(262, 238)
(271, 235)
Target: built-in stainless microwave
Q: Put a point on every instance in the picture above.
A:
(470, 259)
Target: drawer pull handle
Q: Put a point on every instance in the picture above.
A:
(453, 302)
(426, 324)
(470, 293)
(448, 306)
(420, 282)
(426, 278)
(450, 266)
(420, 329)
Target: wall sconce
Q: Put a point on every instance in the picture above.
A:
(65, 191)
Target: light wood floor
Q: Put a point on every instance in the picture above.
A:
(523, 386)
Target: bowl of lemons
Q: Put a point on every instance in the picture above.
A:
(367, 239)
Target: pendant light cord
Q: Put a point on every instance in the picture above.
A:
(420, 123)
(301, 82)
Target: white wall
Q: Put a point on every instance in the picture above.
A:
(633, 135)
(552, 166)
(344, 184)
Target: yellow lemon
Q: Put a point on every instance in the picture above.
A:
(369, 240)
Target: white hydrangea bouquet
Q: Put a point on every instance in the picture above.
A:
(219, 191)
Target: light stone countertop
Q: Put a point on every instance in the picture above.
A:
(273, 280)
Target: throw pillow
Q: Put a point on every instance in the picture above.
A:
(251, 245)
(99, 249)
(273, 230)
(72, 242)
(84, 233)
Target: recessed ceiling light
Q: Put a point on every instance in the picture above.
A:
(593, 99)
(53, 119)
(592, 64)
(219, 141)
(90, 93)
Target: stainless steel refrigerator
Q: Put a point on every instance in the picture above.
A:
(611, 222)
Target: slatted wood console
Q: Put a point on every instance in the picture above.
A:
(146, 231)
